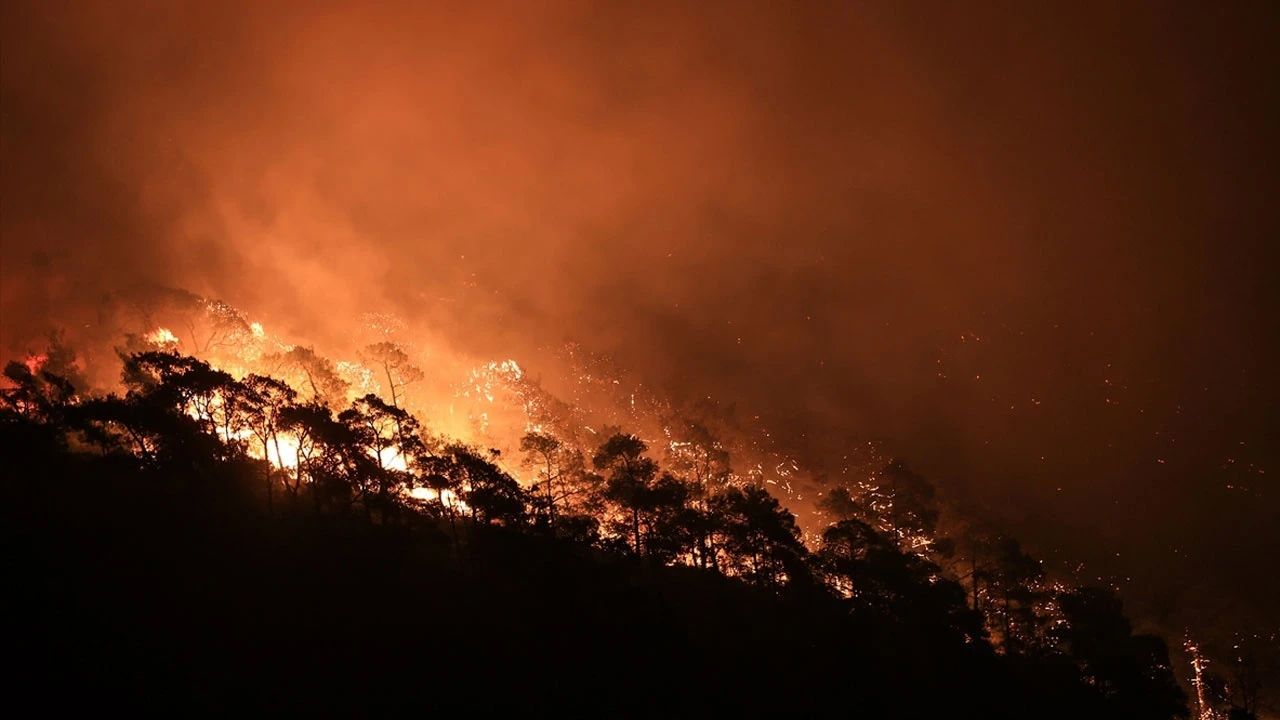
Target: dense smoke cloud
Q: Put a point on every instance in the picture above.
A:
(1026, 245)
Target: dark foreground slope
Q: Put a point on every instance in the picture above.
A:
(176, 595)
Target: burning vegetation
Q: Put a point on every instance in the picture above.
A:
(406, 437)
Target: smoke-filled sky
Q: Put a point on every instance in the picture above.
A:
(1029, 245)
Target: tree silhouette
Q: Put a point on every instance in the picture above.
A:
(665, 518)
(629, 479)
(188, 446)
(389, 437)
(316, 439)
(393, 363)
(266, 401)
(490, 494)
(696, 455)
(912, 513)
(760, 538)
(874, 573)
(39, 396)
(562, 478)
(216, 325)
(302, 367)
(1131, 671)
(1014, 580)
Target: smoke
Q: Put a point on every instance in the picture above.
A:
(1017, 242)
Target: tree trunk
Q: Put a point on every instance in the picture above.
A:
(275, 439)
(453, 528)
(551, 502)
(315, 392)
(391, 384)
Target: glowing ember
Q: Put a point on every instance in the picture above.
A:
(1197, 680)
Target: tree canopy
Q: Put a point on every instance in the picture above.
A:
(288, 454)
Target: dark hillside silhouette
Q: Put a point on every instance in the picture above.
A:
(166, 565)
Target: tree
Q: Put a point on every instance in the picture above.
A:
(869, 568)
(302, 367)
(150, 427)
(667, 524)
(393, 363)
(193, 388)
(40, 396)
(696, 455)
(702, 525)
(760, 538)
(223, 326)
(563, 488)
(840, 504)
(490, 493)
(1132, 672)
(1245, 687)
(629, 478)
(544, 451)
(389, 435)
(210, 324)
(267, 402)
(1015, 580)
(911, 514)
(331, 457)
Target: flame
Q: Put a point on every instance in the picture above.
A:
(451, 499)
(286, 456)
(392, 459)
(282, 450)
(162, 336)
(35, 362)
(493, 404)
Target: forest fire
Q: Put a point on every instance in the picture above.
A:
(918, 358)
(508, 414)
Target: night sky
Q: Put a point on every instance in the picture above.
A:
(1029, 246)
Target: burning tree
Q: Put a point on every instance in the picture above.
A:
(393, 363)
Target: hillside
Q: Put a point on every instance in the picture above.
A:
(164, 568)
